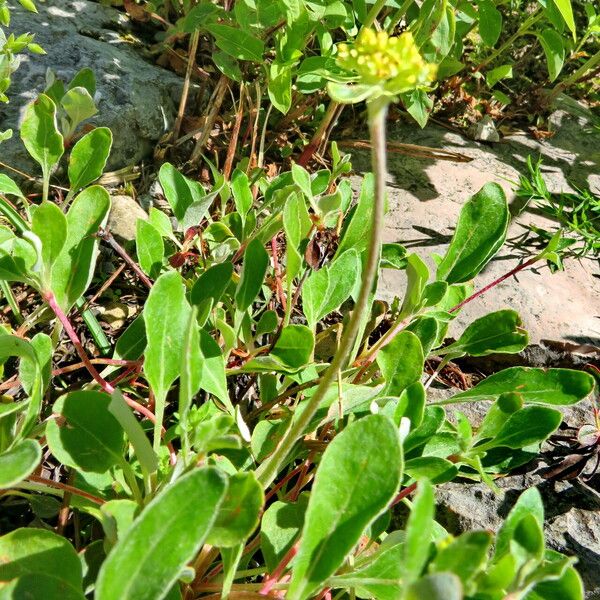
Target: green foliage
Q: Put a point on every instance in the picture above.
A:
(241, 362)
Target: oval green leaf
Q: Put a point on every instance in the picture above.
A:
(480, 231)
(38, 552)
(88, 157)
(358, 477)
(19, 462)
(560, 387)
(163, 539)
(85, 435)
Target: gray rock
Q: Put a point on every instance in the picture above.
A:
(572, 519)
(426, 196)
(123, 217)
(137, 99)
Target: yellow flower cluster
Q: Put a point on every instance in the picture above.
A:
(392, 63)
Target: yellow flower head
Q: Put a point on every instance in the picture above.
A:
(391, 63)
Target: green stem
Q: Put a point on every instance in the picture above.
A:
(268, 470)
(372, 14)
(588, 65)
(397, 16)
(11, 301)
(523, 30)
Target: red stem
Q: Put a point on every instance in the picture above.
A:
(271, 580)
(66, 488)
(403, 493)
(107, 387)
(398, 327)
(494, 283)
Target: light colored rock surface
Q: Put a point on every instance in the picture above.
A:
(123, 217)
(137, 100)
(426, 196)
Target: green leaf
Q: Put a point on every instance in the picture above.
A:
(479, 233)
(50, 225)
(417, 274)
(180, 191)
(295, 346)
(132, 343)
(79, 106)
(345, 93)
(419, 531)
(418, 105)
(561, 387)
(19, 258)
(566, 10)
(40, 134)
(554, 50)
(357, 478)
(85, 435)
(40, 585)
(498, 414)
(9, 187)
(529, 503)
(490, 22)
(325, 290)
(301, 178)
(493, 76)
(135, 433)
(89, 156)
(166, 315)
(280, 86)
(84, 78)
(239, 513)
(34, 553)
(73, 270)
(435, 469)
(227, 65)
(380, 578)
(18, 463)
(356, 233)
(401, 363)
(189, 382)
(530, 425)
(280, 526)
(163, 539)
(237, 43)
(28, 5)
(212, 284)
(393, 256)
(256, 262)
(212, 370)
(30, 369)
(242, 194)
(568, 587)
(149, 247)
(495, 332)
(438, 586)
(465, 556)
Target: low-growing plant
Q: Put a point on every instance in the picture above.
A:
(577, 213)
(288, 408)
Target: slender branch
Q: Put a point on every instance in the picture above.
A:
(65, 488)
(268, 470)
(400, 325)
(186, 83)
(494, 283)
(108, 237)
(270, 581)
